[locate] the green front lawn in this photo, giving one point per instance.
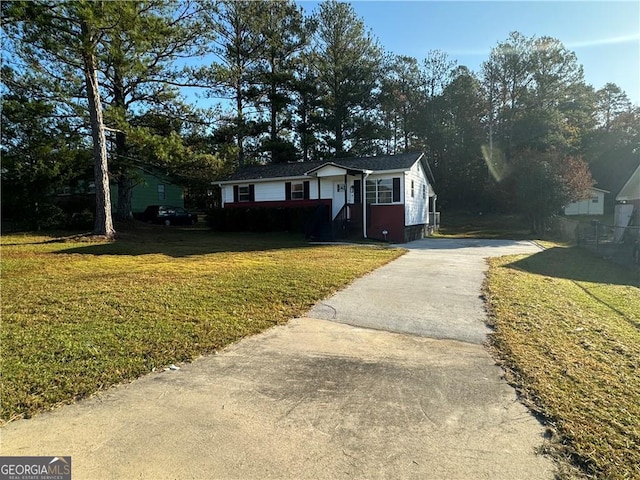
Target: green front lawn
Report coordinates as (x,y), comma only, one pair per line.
(79,316)
(483,225)
(567,324)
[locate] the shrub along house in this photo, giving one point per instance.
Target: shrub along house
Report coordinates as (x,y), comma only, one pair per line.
(385,197)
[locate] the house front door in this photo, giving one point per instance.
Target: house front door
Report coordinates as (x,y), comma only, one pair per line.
(338,198)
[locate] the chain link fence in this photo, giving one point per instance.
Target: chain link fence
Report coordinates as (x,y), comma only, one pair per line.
(617,244)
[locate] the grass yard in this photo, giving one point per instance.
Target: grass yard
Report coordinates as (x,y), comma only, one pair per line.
(79,316)
(567,325)
(488,225)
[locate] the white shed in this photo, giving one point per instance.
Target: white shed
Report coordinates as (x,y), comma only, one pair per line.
(594,205)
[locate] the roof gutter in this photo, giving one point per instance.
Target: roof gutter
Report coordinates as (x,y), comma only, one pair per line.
(258,180)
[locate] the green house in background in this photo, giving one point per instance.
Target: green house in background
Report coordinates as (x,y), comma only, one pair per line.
(153,188)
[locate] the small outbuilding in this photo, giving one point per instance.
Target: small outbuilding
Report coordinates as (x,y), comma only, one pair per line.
(594,205)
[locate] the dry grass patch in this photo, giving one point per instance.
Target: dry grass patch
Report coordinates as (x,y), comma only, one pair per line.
(568,325)
(79,316)
(478,225)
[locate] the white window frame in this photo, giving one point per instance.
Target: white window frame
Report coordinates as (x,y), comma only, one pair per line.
(297,191)
(162,191)
(378,194)
(244,193)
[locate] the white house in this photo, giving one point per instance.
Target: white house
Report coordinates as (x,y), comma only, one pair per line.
(630,192)
(594,205)
(384,197)
(627,209)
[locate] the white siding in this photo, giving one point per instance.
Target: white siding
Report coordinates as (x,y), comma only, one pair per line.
(631,190)
(227,194)
(330,171)
(589,206)
(326,188)
(416,207)
(269,191)
(273,191)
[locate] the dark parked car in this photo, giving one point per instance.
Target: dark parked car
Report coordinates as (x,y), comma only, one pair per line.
(168,215)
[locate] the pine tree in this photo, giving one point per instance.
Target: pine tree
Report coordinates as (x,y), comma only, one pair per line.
(347,63)
(62,40)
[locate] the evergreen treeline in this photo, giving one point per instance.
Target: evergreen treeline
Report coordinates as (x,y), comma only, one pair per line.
(99,87)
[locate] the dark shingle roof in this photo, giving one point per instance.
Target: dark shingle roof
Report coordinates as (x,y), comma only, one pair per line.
(273,170)
(298,169)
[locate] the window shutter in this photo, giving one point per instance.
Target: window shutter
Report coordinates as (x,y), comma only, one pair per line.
(252,193)
(357,191)
(305,186)
(236,193)
(396,189)
(287,191)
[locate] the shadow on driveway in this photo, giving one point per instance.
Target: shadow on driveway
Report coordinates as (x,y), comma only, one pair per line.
(434,243)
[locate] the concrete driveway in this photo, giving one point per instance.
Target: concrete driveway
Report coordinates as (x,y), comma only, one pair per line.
(413,395)
(433,291)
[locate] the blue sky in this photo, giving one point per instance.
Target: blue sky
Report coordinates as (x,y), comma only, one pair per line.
(605,36)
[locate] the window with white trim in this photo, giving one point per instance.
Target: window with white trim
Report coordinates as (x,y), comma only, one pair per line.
(244,193)
(297,191)
(382,190)
(162,192)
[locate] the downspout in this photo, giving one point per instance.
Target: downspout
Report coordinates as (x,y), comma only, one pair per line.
(435,210)
(346,194)
(222,193)
(363,193)
(428,200)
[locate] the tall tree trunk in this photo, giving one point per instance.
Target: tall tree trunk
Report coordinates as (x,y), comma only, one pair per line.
(125,184)
(304,127)
(125,197)
(339,133)
(240,125)
(304,122)
(274,111)
(103,222)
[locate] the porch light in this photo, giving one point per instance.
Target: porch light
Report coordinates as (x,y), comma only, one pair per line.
(385,233)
